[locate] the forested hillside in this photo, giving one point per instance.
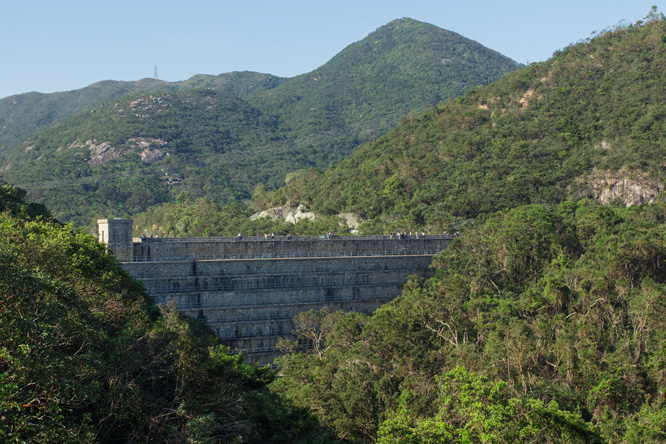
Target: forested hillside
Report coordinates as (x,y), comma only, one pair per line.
(541,325)
(221,140)
(587,123)
(362,91)
(141,149)
(24,114)
(86,358)
(545,319)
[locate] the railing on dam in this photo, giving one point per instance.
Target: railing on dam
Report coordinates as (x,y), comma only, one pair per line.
(270,238)
(220,248)
(291,255)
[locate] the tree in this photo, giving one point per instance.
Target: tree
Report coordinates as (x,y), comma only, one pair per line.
(472,409)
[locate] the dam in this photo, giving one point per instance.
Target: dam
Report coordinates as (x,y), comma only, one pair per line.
(248,289)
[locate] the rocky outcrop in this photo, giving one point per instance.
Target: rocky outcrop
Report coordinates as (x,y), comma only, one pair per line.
(149,150)
(287,213)
(293,215)
(101,153)
(608,187)
(149,155)
(352,220)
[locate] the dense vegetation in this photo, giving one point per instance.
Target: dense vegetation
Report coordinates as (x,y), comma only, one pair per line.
(545,321)
(587,123)
(363,90)
(205,218)
(85,357)
(22,115)
(222,139)
(188,134)
(540,326)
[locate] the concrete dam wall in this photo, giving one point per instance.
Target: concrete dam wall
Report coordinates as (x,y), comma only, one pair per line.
(248,290)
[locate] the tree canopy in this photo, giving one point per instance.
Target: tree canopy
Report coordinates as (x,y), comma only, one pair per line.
(86,357)
(586,123)
(540,324)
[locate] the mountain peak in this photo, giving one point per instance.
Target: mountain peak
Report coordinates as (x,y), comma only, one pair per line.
(314,119)
(406,22)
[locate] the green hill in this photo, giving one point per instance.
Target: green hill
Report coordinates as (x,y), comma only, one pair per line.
(136,151)
(541,325)
(544,321)
(86,358)
(22,115)
(587,123)
(361,92)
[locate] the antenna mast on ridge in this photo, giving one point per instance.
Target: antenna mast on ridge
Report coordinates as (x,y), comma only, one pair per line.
(155,73)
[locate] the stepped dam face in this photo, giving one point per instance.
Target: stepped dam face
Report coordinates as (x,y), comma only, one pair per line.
(247,290)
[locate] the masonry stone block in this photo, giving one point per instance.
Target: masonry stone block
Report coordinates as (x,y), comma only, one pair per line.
(248,291)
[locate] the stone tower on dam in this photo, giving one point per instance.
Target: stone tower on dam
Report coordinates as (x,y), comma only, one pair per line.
(248,290)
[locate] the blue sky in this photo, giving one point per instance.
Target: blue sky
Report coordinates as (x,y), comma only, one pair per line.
(53,46)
